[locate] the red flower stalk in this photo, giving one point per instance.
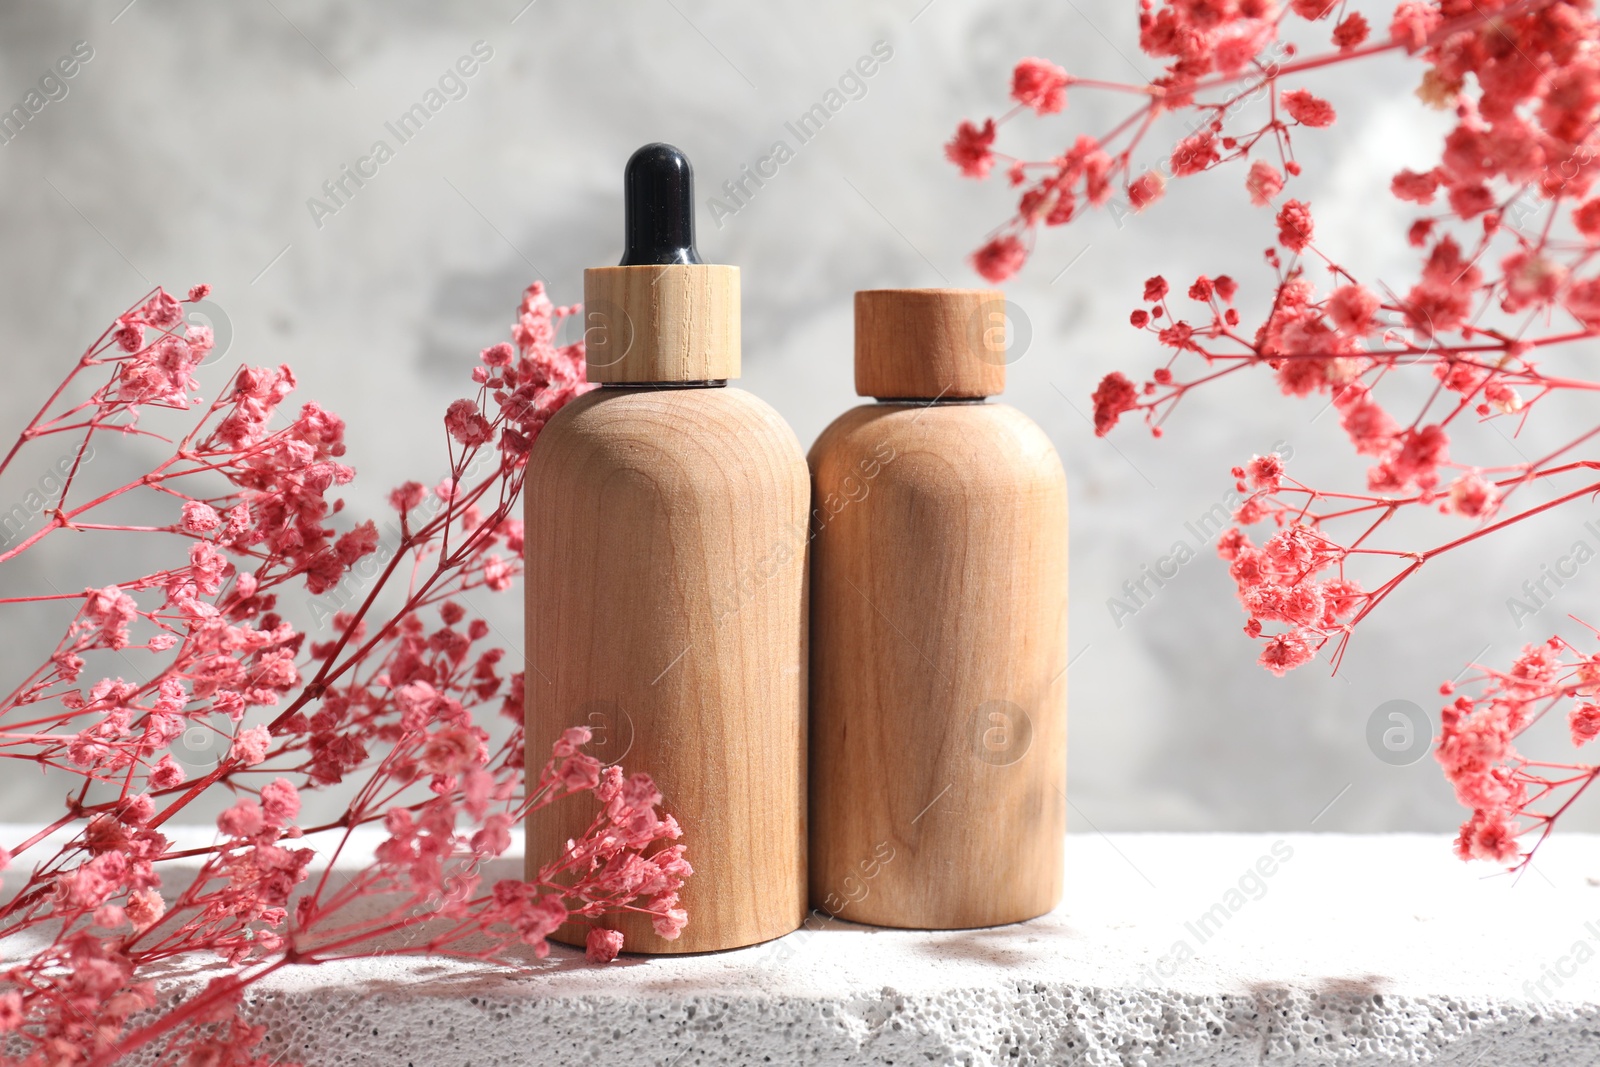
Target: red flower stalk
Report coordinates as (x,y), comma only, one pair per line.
(392,703)
(1506,286)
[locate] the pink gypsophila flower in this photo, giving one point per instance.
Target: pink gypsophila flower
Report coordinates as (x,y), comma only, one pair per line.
(1308,110)
(1235,45)
(1472,497)
(1264,183)
(1531,281)
(1195,154)
(166,774)
(1146,189)
(1041,85)
(1000,258)
(670,921)
(1351,308)
(280,802)
(1265,471)
(467,424)
(408,496)
(602,945)
(243,820)
(972,149)
(1115,396)
(1286,651)
(1417,188)
(1351,31)
(112,610)
(1414,21)
(1294,225)
(199,517)
(1584,722)
(250,747)
(1587,220)
(145,908)
(450,750)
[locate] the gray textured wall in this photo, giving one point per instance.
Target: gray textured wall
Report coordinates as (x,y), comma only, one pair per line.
(187,148)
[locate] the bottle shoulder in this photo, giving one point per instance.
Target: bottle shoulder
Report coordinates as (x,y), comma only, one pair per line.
(635,428)
(966,442)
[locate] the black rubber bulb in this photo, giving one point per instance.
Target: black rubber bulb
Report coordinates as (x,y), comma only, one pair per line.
(658,198)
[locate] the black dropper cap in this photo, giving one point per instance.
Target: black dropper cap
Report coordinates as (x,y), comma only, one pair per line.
(658,198)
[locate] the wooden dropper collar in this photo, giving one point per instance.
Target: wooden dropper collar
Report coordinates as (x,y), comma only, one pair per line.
(661,316)
(930,344)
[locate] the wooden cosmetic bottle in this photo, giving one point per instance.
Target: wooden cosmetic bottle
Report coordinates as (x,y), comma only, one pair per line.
(666,580)
(938,630)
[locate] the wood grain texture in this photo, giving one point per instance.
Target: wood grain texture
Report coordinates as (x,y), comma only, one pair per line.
(938,667)
(666,585)
(675,322)
(927,343)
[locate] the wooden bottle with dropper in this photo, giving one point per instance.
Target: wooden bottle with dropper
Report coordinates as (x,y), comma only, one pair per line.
(666,580)
(938,630)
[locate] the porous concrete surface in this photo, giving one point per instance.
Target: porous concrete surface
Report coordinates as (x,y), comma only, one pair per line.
(1320,949)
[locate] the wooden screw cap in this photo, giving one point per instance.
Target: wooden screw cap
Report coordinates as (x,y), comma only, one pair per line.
(921,344)
(661,322)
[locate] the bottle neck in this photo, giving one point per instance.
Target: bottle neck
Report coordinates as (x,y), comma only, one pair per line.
(925,401)
(715,383)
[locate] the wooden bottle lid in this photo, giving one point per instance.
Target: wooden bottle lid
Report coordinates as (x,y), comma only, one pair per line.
(922,344)
(661,322)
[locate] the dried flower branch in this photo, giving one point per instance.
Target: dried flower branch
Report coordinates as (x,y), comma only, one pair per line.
(1506,286)
(395,703)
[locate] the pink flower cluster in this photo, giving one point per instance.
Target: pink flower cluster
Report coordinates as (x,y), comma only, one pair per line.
(1505,233)
(1278,583)
(394,703)
(1513,798)
(531,382)
(160,371)
(611,863)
